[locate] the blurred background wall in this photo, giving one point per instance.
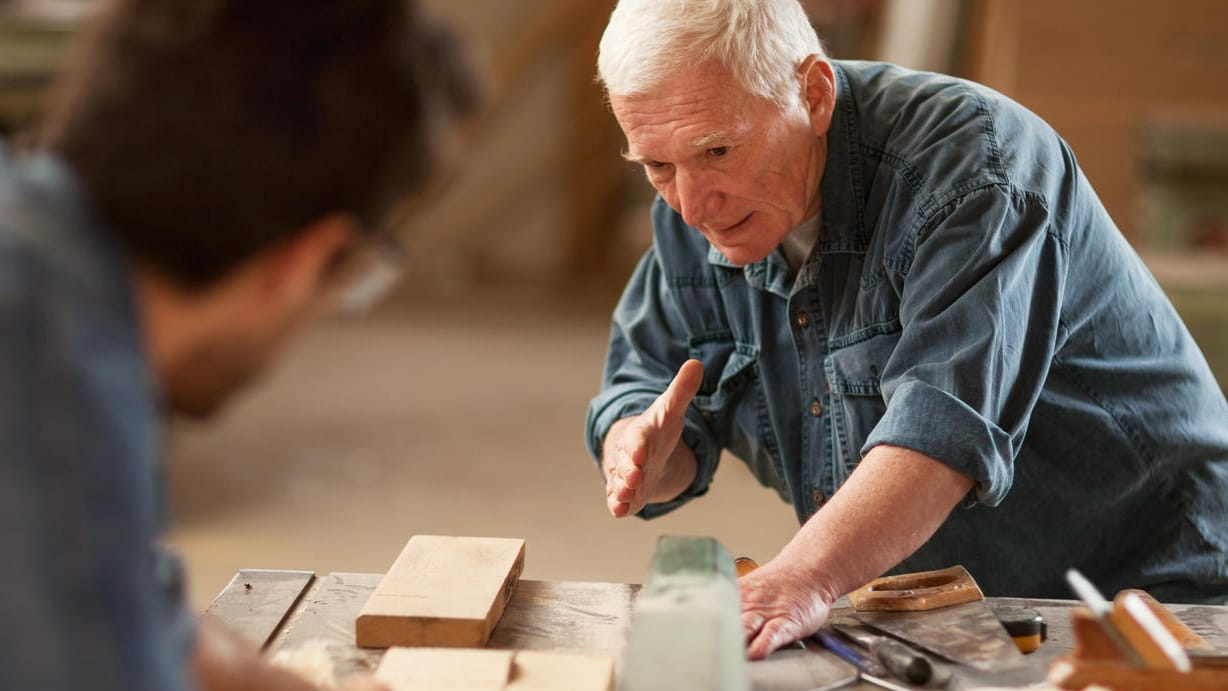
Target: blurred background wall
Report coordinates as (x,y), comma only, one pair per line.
(458,408)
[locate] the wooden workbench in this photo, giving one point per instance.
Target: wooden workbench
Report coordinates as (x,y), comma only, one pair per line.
(284,610)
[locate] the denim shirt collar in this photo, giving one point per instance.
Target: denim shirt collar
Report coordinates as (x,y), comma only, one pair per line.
(841,228)
(842,187)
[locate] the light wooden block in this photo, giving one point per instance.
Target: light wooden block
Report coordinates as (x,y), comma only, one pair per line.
(417,669)
(545,671)
(686,630)
(435,669)
(442,592)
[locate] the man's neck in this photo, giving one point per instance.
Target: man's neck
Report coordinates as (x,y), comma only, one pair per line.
(800,241)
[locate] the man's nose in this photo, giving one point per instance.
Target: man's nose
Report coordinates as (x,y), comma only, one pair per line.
(698,199)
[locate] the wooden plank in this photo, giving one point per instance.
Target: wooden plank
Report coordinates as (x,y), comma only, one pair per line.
(431,669)
(686,632)
(544,671)
(423,669)
(567,616)
(257,601)
(443,592)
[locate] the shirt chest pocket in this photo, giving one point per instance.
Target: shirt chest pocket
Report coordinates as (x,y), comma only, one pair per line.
(731,401)
(729,369)
(854,374)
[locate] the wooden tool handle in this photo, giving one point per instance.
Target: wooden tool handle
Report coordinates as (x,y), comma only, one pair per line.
(917,591)
(1145,633)
(1189,639)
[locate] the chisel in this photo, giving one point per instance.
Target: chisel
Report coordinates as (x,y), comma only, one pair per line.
(903,661)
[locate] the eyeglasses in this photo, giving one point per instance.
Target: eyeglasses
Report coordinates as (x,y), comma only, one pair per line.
(370,273)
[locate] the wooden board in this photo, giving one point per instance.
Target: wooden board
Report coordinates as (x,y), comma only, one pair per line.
(535,670)
(256,601)
(420,669)
(430,669)
(443,592)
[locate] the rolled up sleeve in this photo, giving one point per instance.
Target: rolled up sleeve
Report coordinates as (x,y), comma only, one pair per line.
(647,346)
(980,313)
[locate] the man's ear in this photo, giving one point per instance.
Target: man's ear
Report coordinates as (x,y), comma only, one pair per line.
(819,91)
(298,269)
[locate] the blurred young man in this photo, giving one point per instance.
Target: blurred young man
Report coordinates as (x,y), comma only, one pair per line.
(912,318)
(213,175)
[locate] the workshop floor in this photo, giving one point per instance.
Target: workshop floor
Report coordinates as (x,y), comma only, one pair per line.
(460,417)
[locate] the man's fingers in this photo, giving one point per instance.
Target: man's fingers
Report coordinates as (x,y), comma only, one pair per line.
(618,509)
(681,390)
(771,636)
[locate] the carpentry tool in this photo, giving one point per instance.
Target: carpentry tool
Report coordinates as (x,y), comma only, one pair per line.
(1134,644)
(868,669)
(942,612)
(1189,639)
(1025,625)
(744,565)
(923,590)
(1099,608)
(899,658)
(686,631)
(1158,648)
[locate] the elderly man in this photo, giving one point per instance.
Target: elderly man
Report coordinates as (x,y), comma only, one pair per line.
(896,298)
(212,177)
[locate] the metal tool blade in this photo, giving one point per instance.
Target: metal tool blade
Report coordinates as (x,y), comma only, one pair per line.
(967,634)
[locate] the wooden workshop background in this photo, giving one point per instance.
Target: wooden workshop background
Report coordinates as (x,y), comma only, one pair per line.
(458,407)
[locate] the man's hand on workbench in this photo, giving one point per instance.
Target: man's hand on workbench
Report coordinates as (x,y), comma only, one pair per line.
(642,458)
(780,604)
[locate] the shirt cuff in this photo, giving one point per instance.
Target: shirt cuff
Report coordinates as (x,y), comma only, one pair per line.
(931,421)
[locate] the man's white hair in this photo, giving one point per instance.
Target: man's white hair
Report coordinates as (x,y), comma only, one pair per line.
(760,42)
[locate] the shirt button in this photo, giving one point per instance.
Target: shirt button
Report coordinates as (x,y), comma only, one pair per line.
(801,320)
(816,408)
(817,498)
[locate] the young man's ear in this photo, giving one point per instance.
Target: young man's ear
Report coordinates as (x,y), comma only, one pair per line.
(299,269)
(819,92)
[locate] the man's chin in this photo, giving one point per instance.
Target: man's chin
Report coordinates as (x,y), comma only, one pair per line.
(743,256)
(197,406)
(202,397)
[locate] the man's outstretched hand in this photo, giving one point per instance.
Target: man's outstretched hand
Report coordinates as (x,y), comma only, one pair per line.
(642,458)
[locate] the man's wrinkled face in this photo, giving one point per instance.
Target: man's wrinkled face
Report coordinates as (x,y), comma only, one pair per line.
(733,165)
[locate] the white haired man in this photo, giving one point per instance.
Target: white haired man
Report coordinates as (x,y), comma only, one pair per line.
(899,286)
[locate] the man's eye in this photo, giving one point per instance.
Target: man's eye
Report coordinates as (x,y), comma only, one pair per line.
(656,164)
(718,151)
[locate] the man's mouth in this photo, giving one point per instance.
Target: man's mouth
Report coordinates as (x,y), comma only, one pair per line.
(732,227)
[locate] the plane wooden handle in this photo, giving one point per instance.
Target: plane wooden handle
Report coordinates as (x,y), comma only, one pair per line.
(1189,639)
(917,591)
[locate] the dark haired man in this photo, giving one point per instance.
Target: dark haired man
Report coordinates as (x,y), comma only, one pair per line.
(212,175)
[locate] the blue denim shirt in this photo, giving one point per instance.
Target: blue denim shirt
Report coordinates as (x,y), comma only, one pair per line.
(87,599)
(968,298)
